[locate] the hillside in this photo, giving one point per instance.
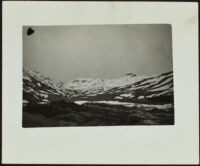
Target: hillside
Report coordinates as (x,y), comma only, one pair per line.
(37,88)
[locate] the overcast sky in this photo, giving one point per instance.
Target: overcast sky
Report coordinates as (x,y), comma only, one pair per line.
(98,51)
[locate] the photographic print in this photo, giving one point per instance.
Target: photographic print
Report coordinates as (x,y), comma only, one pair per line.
(100,83)
(97,75)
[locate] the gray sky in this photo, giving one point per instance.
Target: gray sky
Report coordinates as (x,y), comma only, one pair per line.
(98,51)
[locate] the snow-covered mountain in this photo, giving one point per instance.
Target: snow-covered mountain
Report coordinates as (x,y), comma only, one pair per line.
(128,87)
(155,88)
(89,86)
(38,88)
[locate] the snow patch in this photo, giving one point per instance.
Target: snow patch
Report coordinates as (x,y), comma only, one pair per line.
(44,95)
(80,102)
(42,102)
(25,101)
(127,104)
(161,88)
(118,97)
(141,97)
(127,95)
(38,84)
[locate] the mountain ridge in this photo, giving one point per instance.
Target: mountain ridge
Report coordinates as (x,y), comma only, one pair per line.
(38,88)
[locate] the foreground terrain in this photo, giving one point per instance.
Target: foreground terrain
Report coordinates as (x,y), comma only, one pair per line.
(62,113)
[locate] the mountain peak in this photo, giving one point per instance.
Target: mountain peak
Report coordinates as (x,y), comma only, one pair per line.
(131,74)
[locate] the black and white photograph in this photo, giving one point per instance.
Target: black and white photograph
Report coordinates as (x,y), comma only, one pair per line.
(100,83)
(97,75)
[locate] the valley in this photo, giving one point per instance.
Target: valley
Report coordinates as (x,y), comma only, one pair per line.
(128,100)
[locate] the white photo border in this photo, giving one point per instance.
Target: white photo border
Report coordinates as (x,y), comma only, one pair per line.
(174,144)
